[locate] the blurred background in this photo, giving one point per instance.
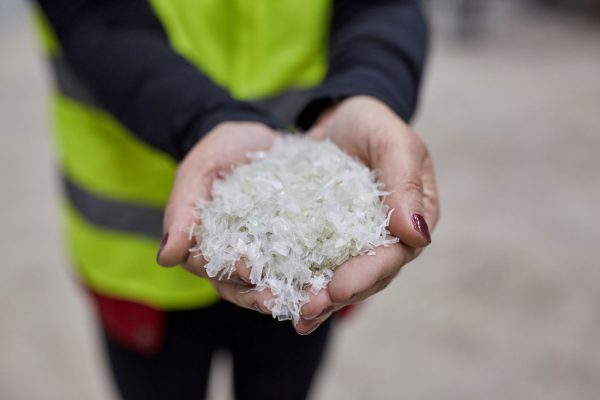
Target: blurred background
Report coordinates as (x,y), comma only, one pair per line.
(504,305)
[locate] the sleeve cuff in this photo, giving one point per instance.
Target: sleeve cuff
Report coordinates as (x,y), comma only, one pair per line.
(204,123)
(358,81)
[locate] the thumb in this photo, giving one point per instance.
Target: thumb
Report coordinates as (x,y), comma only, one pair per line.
(190,186)
(400,165)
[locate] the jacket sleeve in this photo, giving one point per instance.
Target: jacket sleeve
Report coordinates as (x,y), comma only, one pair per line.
(121,51)
(377,48)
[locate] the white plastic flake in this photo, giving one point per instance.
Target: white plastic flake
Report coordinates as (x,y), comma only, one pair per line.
(294,214)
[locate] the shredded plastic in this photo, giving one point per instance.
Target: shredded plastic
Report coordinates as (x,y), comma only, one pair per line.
(294,214)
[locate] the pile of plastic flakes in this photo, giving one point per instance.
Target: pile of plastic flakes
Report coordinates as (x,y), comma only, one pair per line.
(294,214)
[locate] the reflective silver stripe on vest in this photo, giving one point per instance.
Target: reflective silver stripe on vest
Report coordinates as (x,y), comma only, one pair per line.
(115,215)
(284,106)
(130,217)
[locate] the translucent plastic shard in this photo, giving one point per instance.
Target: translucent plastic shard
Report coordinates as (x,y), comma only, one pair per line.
(294,214)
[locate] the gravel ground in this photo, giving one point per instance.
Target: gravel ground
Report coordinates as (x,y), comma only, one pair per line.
(504,305)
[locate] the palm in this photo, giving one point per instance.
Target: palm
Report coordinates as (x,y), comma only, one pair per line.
(368,130)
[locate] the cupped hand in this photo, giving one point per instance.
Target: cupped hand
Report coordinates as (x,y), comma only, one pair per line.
(367,129)
(226,146)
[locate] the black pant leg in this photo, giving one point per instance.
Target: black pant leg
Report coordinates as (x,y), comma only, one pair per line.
(178,371)
(271,361)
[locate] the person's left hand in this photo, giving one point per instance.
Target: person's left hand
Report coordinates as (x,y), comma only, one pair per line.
(367,129)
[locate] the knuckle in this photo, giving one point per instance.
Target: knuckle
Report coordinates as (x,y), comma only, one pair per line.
(413,186)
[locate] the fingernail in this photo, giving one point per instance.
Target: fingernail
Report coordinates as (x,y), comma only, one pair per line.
(325,311)
(420,226)
(163,243)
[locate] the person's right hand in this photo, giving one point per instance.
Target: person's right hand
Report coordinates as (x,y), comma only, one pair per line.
(226,146)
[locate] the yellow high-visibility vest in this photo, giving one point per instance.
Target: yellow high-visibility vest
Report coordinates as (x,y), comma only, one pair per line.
(117,186)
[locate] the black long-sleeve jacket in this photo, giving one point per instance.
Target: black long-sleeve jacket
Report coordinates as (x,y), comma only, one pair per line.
(121,51)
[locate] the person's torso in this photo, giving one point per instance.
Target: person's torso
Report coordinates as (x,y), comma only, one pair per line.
(117,186)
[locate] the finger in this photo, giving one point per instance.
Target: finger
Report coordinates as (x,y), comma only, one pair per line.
(322,302)
(243,297)
(318,309)
(190,187)
(399,161)
(430,199)
(360,274)
(195,264)
(242,272)
(309,327)
(317,305)
(312,313)
(194,182)
(376,288)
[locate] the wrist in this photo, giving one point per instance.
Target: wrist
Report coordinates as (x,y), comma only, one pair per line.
(234,113)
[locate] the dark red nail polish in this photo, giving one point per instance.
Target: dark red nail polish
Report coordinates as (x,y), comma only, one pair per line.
(163,242)
(420,226)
